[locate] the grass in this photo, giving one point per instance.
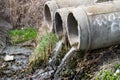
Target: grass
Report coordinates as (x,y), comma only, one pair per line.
(45,44)
(42,52)
(117,66)
(106,75)
(18,36)
(110,74)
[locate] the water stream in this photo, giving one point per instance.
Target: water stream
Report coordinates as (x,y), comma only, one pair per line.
(66,58)
(56,50)
(44,75)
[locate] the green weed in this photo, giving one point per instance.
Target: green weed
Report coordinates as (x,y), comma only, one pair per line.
(117,66)
(42,52)
(18,36)
(106,75)
(109,74)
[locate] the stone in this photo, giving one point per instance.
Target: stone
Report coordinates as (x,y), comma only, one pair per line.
(9,58)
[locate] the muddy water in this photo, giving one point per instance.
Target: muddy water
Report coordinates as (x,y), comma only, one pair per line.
(65,60)
(14,70)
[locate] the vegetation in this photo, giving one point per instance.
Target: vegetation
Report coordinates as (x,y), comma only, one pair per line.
(22,35)
(45,46)
(110,74)
(117,66)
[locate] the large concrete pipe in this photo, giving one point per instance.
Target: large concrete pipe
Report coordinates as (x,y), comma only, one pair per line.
(51,6)
(60,19)
(94,26)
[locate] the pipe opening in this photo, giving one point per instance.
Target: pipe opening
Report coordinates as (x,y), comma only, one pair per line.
(47,13)
(72,25)
(58,25)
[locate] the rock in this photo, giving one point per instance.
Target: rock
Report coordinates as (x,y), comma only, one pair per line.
(43,76)
(116,72)
(9,58)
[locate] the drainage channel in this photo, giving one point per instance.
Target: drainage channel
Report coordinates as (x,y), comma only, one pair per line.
(13,61)
(52,70)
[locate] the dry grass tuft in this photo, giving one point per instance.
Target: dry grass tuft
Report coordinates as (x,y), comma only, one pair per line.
(22,13)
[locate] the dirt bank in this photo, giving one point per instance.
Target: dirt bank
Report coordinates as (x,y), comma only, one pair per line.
(22,13)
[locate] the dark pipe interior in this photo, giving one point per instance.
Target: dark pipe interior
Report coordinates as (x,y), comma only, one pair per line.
(47,14)
(72,25)
(58,24)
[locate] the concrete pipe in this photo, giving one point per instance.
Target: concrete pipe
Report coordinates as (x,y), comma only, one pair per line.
(60,22)
(95,26)
(51,6)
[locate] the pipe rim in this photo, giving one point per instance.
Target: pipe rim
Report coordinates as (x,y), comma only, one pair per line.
(58,25)
(47,13)
(52,7)
(73,30)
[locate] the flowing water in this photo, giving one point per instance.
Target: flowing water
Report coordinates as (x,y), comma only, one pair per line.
(66,58)
(50,69)
(51,73)
(55,54)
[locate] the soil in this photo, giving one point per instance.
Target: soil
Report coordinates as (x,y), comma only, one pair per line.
(22,13)
(83,66)
(95,61)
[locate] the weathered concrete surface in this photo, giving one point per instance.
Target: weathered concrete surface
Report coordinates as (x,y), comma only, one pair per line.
(60,21)
(95,26)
